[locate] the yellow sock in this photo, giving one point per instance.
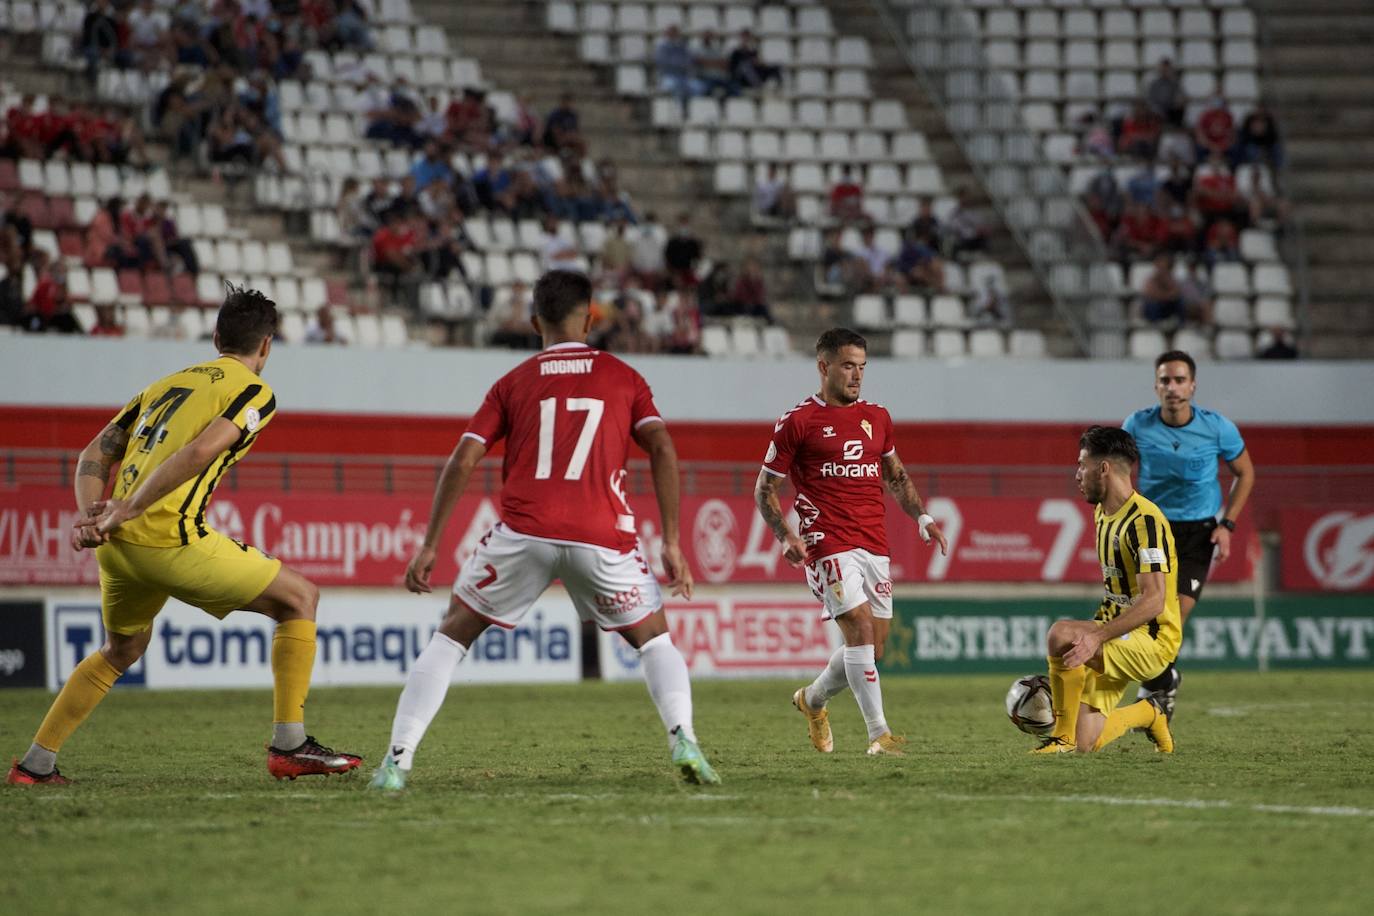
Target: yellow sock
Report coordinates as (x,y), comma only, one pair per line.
(293,655)
(1066,690)
(1122,720)
(84,690)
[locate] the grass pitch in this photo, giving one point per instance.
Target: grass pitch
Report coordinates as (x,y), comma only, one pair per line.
(561,800)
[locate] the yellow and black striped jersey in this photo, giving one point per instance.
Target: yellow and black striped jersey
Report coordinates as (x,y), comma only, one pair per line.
(1135,539)
(168,415)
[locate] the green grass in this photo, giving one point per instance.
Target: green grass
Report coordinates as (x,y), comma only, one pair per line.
(543,800)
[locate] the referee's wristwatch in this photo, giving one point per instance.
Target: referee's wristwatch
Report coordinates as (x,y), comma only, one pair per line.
(1227,523)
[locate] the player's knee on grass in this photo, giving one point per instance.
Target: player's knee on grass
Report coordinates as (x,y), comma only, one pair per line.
(1089,729)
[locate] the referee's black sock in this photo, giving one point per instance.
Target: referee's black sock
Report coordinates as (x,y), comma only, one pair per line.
(1162,681)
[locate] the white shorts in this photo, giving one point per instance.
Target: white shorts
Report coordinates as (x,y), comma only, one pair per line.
(508,572)
(843,581)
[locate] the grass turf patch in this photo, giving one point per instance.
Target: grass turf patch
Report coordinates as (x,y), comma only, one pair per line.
(562,799)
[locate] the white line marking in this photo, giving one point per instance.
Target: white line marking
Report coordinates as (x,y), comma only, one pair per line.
(1194,803)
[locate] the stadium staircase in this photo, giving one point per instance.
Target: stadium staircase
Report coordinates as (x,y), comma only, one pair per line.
(1317,75)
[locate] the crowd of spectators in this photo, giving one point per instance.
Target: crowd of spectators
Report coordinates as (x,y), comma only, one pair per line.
(1197,187)
(69,130)
(686,71)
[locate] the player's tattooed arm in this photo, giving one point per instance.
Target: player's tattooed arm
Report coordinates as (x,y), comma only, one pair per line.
(770,506)
(92,471)
(902,487)
(108,450)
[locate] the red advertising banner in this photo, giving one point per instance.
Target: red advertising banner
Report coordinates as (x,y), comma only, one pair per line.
(1328,549)
(367,540)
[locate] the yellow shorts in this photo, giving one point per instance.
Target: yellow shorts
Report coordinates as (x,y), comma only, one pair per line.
(1133,656)
(215,573)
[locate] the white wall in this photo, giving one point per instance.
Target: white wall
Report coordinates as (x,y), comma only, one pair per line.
(89,372)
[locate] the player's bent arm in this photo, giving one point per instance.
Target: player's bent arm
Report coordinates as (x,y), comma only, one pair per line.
(188,461)
(1244,470)
(452,482)
(93,466)
(654,439)
(902,488)
(1147,607)
(770,505)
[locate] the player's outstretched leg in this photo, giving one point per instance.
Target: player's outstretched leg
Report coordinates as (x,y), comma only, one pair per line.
(665,674)
(811,701)
(83,691)
(291,600)
(861,673)
(424,693)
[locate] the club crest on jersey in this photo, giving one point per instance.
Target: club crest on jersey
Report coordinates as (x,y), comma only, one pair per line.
(867,427)
(827,432)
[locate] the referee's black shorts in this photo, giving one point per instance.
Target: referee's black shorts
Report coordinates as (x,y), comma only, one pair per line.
(1193,544)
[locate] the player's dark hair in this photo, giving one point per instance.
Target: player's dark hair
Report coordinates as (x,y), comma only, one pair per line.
(829,343)
(1109,442)
(1177,356)
(246,318)
(558,293)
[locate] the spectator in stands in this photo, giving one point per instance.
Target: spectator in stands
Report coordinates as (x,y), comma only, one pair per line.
(612,202)
(685,336)
(1142,186)
(873,258)
(557,252)
(106,323)
(713,294)
(1164,93)
(847,197)
(1267,207)
(447,240)
(1180,231)
(1280,345)
(466,118)
(1095,137)
(99,37)
(626,333)
(613,262)
(1222,243)
(1176,145)
(682,253)
(431,167)
(139,223)
(525,129)
(1215,132)
(260,97)
(1198,295)
(1140,234)
(171,239)
(49,306)
(350,27)
(1140,132)
(773,196)
(377,202)
(107,243)
(674,65)
(356,221)
(925,222)
(1215,195)
(918,264)
(509,319)
(646,253)
(1161,298)
(394,248)
(966,230)
(237,137)
(839,268)
(17,228)
(433,123)
(493,184)
(748,68)
(1177,187)
(561,128)
(750,292)
(1258,140)
(712,66)
(148,39)
(322,329)
(992,307)
(391,115)
(12,305)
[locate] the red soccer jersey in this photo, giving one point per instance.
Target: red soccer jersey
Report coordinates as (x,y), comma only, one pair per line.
(567,415)
(833,456)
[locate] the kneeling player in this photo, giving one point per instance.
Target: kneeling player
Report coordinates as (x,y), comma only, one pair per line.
(1135,633)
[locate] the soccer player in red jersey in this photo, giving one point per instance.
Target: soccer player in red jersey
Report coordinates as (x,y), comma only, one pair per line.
(567,415)
(838,450)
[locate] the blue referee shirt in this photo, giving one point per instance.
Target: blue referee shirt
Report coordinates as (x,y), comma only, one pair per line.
(1178,464)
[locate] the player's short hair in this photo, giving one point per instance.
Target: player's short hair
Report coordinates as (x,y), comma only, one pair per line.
(246,318)
(1110,442)
(829,343)
(558,293)
(1177,356)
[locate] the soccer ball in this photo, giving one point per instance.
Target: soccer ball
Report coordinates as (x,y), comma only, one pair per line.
(1029,705)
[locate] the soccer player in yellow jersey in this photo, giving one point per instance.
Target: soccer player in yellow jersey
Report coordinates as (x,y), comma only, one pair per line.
(173,443)
(1136,631)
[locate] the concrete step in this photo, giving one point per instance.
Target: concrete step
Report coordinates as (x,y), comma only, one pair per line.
(1334,217)
(1342,282)
(1313,58)
(1331,28)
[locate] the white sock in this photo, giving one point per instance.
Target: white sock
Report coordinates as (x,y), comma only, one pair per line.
(829,682)
(665,673)
(422,696)
(862,673)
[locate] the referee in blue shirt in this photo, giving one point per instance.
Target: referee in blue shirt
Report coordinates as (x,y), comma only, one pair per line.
(1179,446)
